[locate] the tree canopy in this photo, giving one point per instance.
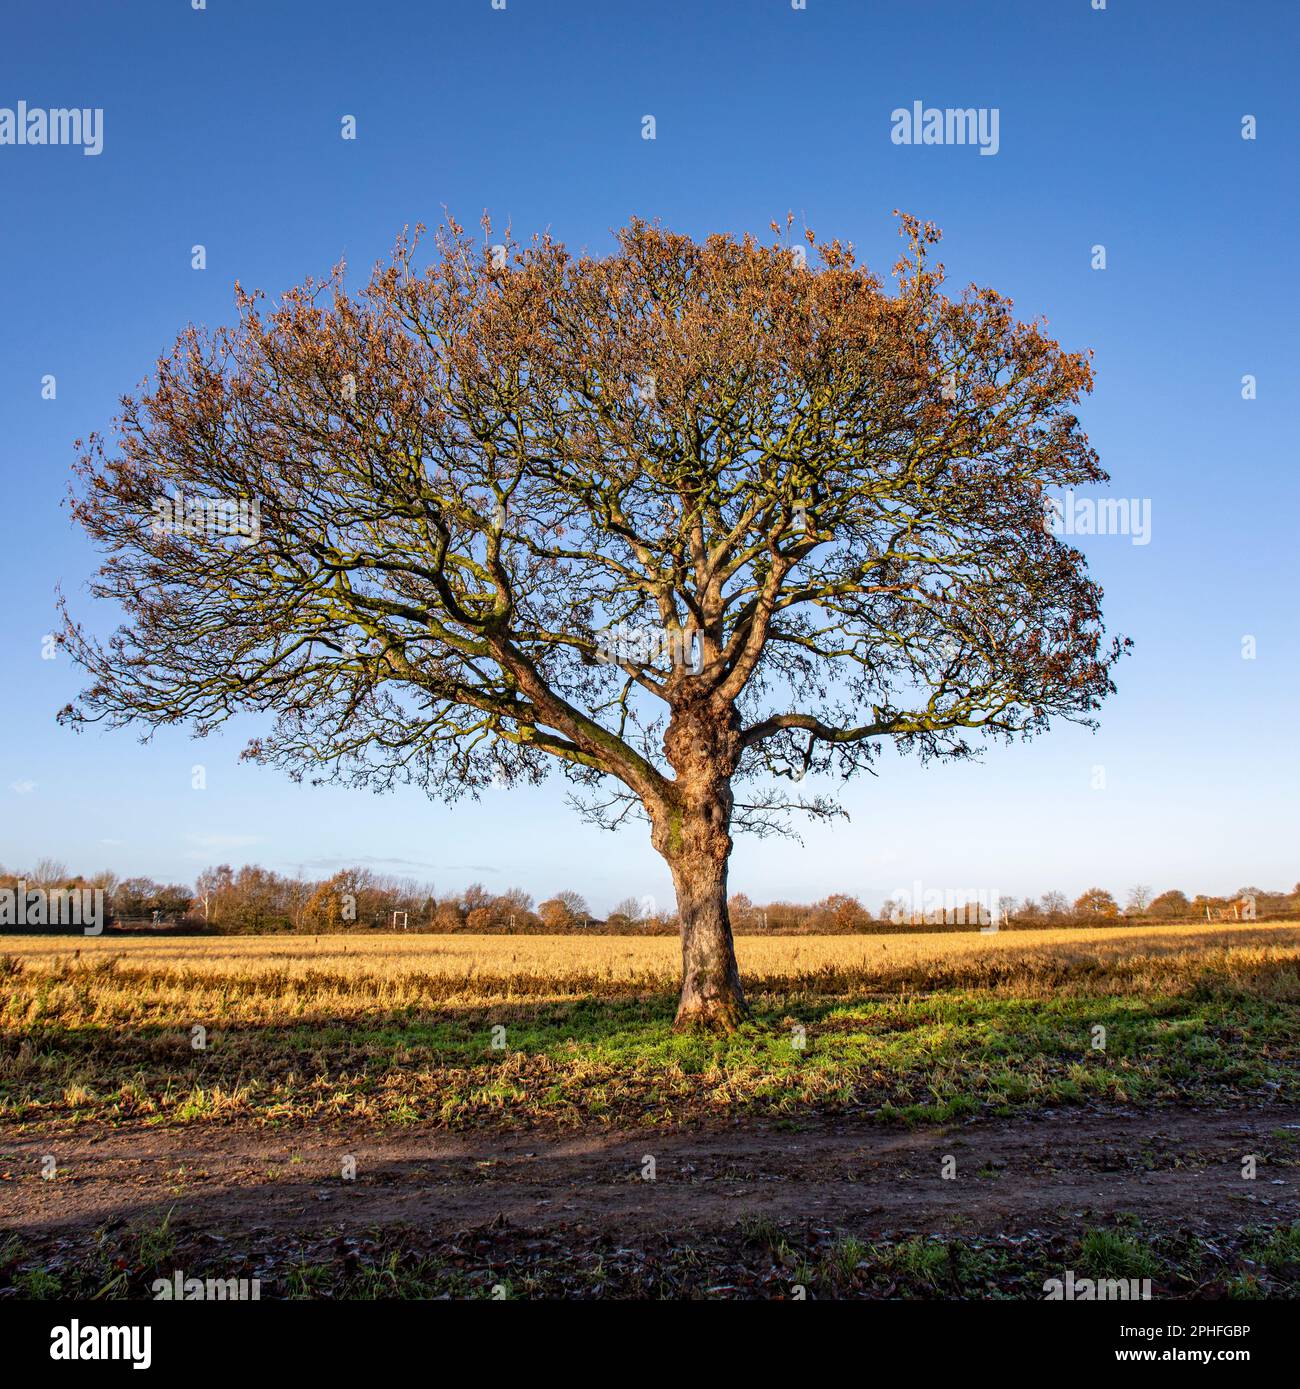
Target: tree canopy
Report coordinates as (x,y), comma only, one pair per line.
(688,514)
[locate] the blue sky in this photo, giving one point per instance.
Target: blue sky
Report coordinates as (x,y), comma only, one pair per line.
(1119,127)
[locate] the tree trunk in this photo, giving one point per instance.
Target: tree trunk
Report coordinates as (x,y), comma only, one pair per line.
(696,844)
(712,997)
(692,830)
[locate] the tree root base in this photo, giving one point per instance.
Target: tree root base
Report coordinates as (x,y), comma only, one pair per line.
(717,1015)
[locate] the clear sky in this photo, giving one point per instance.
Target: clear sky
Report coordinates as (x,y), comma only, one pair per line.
(1120,127)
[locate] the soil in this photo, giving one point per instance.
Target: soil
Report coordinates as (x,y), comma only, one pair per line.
(1175,1169)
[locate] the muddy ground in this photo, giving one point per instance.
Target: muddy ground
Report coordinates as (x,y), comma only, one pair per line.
(744,1204)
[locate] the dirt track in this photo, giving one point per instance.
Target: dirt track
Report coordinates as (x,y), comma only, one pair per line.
(1174,1168)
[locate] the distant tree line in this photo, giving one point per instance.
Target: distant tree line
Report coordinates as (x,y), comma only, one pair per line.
(254,900)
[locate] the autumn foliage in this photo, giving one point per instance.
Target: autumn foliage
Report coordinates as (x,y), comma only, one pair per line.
(825,494)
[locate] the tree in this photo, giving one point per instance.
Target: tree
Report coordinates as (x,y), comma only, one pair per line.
(1055,904)
(1171,905)
(1206,908)
(556,914)
(842,912)
(741,912)
(627,912)
(447,915)
(476,898)
(691,516)
(331,906)
(142,897)
(106,881)
(48,873)
(1096,901)
(564,910)
(258,900)
(1139,899)
(209,887)
(575,904)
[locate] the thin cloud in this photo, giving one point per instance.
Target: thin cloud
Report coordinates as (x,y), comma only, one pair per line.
(368,861)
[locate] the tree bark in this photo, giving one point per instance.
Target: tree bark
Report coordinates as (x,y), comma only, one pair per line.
(692,830)
(712,997)
(694,839)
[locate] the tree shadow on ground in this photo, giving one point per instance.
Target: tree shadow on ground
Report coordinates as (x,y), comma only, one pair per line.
(572,1063)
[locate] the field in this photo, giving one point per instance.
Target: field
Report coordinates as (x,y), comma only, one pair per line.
(499,1097)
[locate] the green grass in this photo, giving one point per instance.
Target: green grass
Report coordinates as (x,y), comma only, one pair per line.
(1280,1254)
(1114,1254)
(915,1060)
